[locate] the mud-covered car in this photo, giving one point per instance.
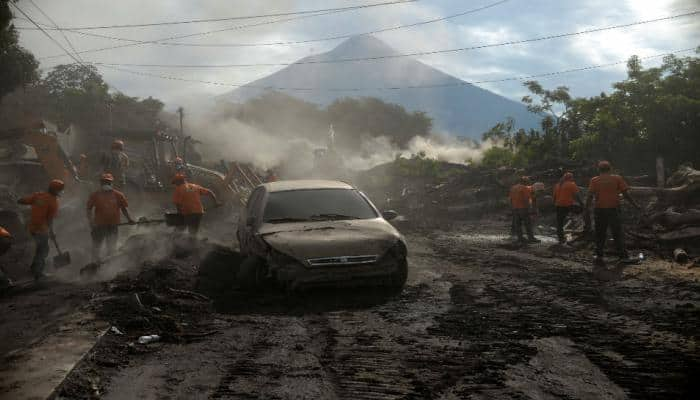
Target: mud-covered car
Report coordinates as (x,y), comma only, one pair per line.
(309,233)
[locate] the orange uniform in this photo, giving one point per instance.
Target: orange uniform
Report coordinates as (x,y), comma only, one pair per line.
(607,189)
(565,193)
(187,198)
(107,205)
(44,210)
(520,196)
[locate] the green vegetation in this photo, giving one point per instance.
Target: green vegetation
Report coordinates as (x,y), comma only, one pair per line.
(354,120)
(18,66)
(654,112)
(77,94)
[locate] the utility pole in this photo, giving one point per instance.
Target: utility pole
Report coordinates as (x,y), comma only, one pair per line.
(109,108)
(181,113)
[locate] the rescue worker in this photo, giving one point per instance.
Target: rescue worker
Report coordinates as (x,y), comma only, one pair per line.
(44,210)
(108,204)
(566,193)
(117,164)
(606,188)
(187,199)
(522,202)
(5,244)
(179,167)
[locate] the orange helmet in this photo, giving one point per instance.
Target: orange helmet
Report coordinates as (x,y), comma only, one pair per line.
(56,185)
(118,145)
(107,177)
(179,178)
(4,233)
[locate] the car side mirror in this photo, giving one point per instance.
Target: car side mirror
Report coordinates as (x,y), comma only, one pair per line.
(250,221)
(389,214)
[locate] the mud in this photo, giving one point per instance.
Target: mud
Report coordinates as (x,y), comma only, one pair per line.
(478,318)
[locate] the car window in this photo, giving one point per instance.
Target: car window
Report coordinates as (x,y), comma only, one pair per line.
(317,204)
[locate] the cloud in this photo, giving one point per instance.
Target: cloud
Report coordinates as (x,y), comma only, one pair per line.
(515,19)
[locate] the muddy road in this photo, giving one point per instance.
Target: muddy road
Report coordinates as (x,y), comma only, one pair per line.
(476,320)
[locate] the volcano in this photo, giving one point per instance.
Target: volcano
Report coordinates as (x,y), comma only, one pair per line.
(456,107)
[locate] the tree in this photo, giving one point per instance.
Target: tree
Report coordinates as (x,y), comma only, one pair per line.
(18,66)
(654,112)
(78,93)
(357,118)
(353,119)
(554,105)
(502,133)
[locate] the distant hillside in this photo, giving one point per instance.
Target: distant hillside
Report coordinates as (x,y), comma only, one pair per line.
(465,110)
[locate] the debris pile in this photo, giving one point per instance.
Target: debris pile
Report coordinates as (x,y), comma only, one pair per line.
(428,192)
(672,224)
(147,307)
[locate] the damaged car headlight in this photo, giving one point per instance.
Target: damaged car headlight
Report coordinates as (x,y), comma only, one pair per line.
(278,259)
(397,251)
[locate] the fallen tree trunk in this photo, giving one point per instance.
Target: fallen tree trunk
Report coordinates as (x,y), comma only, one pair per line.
(688,233)
(674,220)
(672,196)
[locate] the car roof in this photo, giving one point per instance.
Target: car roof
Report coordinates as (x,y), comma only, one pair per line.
(305,184)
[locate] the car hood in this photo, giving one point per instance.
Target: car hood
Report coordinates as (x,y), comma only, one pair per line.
(307,240)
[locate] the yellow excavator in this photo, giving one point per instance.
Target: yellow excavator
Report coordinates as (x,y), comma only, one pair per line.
(30,157)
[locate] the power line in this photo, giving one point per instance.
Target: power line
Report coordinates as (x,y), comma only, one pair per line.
(28,18)
(232,28)
(56,25)
(287,43)
(278,14)
(414,54)
(391,88)
(46,33)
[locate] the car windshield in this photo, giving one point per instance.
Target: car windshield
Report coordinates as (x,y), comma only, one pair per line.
(317,204)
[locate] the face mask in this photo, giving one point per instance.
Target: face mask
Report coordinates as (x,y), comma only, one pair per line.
(107,188)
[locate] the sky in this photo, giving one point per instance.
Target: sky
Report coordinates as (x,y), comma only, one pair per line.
(511,20)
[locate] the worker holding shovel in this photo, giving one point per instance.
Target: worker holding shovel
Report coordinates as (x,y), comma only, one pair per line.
(187,199)
(44,210)
(108,205)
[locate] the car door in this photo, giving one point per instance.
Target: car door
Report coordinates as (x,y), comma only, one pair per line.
(246,230)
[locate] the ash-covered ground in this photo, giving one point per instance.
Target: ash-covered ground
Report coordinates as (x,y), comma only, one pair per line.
(478,319)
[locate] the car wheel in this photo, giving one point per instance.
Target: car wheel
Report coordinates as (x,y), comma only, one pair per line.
(398,278)
(252,272)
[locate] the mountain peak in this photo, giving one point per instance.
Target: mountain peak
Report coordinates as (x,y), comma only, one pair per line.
(363,46)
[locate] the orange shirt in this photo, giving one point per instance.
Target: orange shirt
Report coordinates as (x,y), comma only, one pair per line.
(44,210)
(187,198)
(107,205)
(607,189)
(520,196)
(565,193)
(4,233)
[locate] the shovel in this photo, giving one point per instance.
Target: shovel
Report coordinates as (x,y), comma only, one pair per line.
(143,221)
(63,258)
(92,267)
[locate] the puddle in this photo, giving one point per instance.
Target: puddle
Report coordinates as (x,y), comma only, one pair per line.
(491,238)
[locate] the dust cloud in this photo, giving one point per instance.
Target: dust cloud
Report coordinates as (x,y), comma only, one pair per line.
(226,138)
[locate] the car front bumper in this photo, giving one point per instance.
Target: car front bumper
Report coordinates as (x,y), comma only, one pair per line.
(296,276)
